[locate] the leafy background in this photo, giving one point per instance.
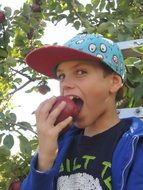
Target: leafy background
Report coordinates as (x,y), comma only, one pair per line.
(21,31)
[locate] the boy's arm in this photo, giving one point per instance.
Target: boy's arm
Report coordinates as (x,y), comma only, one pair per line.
(42,172)
(48,132)
(38,180)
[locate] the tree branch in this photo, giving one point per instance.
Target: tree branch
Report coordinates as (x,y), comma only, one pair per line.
(17,89)
(19,72)
(24,75)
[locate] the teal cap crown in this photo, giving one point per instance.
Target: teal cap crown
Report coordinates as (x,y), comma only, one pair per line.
(99,46)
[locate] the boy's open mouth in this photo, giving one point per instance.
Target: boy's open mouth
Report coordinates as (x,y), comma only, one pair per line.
(78,101)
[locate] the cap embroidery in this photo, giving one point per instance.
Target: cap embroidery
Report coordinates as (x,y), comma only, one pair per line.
(115,59)
(103,48)
(100,56)
(80,41)
(83,35)
(92,48)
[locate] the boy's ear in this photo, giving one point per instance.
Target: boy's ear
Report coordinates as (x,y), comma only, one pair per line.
(116,83)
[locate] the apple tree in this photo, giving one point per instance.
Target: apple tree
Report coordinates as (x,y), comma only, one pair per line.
(21,32)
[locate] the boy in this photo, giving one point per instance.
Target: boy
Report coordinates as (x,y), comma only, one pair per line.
(98,151)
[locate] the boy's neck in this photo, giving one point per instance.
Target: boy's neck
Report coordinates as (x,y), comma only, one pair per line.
(101,125)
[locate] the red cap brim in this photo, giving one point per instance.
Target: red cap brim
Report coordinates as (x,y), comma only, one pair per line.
(45,59)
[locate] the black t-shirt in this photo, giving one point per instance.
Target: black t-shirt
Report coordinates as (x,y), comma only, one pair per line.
(87,164)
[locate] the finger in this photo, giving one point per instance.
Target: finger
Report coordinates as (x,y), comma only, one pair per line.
(46,104)
(62,125)
(45,107)
(55,113)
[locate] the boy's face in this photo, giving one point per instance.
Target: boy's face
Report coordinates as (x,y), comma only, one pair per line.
(87,81)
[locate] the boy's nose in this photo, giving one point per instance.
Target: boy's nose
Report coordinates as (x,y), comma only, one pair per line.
(66,86)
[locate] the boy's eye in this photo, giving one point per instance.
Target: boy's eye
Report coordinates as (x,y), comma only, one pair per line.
(81,72)
(60,77)
(78,73)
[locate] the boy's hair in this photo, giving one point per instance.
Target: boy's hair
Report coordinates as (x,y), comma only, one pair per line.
(107,71)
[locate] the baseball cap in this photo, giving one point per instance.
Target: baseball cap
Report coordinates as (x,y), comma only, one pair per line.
(90,47)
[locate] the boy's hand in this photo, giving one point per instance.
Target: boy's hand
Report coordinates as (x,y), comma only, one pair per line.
(48,132)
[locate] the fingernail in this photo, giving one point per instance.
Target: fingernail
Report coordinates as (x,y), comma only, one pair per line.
(54,97)
(70,117)
(63,102)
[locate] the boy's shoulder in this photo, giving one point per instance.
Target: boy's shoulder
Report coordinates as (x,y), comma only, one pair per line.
(136,126)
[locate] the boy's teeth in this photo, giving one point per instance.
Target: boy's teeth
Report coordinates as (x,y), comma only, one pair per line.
(72,97)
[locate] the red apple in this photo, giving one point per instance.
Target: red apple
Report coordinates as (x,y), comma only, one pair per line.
(38,2)
(30,33)
(71,108)
(43,89)
(2,17)
(36,7)
(15,185)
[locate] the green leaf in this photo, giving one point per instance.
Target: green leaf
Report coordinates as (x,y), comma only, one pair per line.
(138,92)
(112,29)
(8,141)
(61,17)
(138,20)
(11,61)
(3,53)
(102,27)
(19,40)
(26,9)
(1,136)
(95,3)
(11,117)
(4,154)
(25,146)
(138,49)
(34,144)
(8,11)
(2,116)
(70,18)
(102,5)
(80,7)
(24,125)
(131,61)
(110,5)
(89,8)
(16,12)
(77,25)
(18,80)
(34,88)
